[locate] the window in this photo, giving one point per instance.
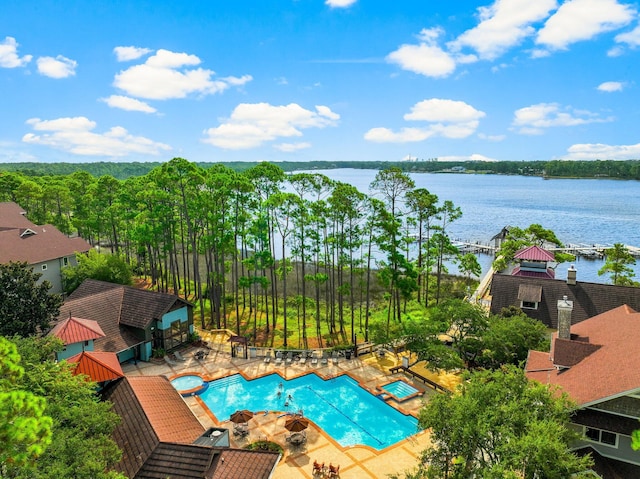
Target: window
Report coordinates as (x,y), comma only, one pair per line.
(529,305)
(44,267)
(604,437)
(65,261)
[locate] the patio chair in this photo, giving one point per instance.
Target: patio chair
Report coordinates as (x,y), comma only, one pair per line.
(334,471)
(303,358)
(318,468)
(179,356)
(267,358)
(325,358)
(169,361)
(334,357)
(314,359)
(240,430)
(289,357)
(279,357)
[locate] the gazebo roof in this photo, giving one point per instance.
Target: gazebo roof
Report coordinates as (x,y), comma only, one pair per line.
(77,330)
(534,253)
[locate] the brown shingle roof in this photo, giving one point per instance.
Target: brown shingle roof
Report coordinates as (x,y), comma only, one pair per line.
(47,243)
(100,367)
(608,371)
(589,299)
(116,307)
(13,216)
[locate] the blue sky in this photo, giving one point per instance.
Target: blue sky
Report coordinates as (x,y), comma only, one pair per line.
(302,80)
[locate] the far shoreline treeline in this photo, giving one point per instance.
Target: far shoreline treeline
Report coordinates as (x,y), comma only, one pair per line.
(616,169)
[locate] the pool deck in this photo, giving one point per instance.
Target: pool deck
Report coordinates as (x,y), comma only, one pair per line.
(297,462)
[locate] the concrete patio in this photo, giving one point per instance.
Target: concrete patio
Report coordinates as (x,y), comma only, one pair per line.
(297,461)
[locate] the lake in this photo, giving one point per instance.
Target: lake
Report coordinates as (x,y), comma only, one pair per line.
(588,211)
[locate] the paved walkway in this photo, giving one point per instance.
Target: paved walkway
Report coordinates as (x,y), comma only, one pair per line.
(355,462)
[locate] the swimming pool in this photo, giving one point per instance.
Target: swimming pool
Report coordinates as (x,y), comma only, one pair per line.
(189,384)
(400,390)
(344,410)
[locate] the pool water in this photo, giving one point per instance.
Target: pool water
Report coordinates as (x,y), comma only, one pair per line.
(184,383)
(399,389)
(344,410)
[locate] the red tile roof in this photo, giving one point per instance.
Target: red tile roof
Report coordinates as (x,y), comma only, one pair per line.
(76,330)
(534,253)
(607,371)
(157,396)
(100,367)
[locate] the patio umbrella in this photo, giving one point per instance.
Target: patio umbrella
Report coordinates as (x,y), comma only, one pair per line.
(296,424)
(241,416)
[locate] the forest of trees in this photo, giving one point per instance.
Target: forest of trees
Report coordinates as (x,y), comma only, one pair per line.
(260,251)
(628,169)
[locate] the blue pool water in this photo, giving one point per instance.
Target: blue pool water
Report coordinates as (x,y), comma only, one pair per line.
(184,383)
(399,389)
(345,411)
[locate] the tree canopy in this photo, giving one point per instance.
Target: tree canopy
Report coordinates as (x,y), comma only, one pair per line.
(499,425)
(25,429)
(112,268)
(518,238)
(617,264)
(81,425)
(26,307)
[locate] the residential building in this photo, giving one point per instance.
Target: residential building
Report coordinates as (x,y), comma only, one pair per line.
(536,296)
(160,437)
(44,248)
(135,322)
(596,363)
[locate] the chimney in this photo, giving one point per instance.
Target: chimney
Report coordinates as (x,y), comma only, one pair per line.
(565,307)
(571,275)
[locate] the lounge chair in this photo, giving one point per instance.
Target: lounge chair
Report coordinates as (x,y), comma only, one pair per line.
(325,358)
(334,357)
(179,356)
(279,357)
(314,359)
(303,357)
(289,357)
(267,358)
(169,361)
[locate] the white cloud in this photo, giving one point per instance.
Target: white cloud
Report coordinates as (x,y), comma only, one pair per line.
(484,136)
(405,135)
(125,54)
(166,75)
(340,3)
(472,157)
(447,118)
(252,124)
(503,25)
(292,147)
(578,20)
(9,54)
(58,67)
(437,109)
(532,120)
(426,58)
(599,151)
(127,103)
(75,135)
(631,38)
(611,86)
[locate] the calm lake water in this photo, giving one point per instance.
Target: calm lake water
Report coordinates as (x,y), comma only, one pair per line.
(578,210)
